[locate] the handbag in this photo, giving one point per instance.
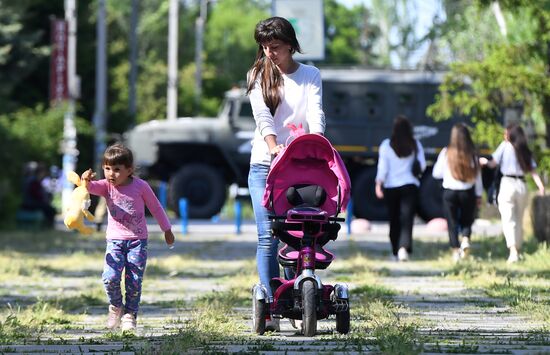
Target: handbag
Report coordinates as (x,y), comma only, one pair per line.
(416,167)
(492,192)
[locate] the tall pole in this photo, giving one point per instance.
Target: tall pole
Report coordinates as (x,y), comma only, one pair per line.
(172,101)
(70,152)
(100,113)
(199,39)
(132,105)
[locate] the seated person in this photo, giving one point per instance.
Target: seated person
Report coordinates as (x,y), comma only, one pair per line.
(35,197)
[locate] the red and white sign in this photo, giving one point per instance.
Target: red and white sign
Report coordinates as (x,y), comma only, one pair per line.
(58,65)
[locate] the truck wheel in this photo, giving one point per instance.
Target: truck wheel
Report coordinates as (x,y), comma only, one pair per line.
(430,199)
(203,187)
(365,203)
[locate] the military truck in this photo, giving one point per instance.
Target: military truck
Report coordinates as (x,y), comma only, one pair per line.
(201,157)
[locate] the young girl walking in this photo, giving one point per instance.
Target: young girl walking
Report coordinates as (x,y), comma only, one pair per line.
(458,166)
(126,196)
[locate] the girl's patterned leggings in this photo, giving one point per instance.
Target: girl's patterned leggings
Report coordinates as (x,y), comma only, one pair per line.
(131,256)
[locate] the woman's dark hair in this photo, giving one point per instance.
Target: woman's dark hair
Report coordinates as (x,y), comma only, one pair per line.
(461,154)
(402,140)
(517,137)
(273,28)
(118,154)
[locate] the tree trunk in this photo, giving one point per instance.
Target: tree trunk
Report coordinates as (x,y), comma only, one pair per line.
(540,217)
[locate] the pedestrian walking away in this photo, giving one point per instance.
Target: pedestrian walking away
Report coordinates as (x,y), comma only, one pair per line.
(458,166)
(398,185)
(283,93)
(126,196)
(516,160)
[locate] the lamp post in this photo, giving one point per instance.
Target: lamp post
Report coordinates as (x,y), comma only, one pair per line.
(70,152)
(172,95)
(100,114)
(199,39)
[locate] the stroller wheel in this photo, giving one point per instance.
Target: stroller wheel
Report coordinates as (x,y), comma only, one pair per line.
(259,311)
(342,322)
(309,308)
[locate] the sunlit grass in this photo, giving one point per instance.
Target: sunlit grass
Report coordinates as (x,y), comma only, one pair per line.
(208,317)
(17,323)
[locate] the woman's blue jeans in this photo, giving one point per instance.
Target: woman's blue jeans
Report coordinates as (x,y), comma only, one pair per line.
(266,253)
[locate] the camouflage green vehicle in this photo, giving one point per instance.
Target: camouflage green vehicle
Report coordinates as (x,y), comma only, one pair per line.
(201,157)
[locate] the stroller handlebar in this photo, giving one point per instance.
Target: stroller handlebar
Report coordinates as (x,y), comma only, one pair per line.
(283,217)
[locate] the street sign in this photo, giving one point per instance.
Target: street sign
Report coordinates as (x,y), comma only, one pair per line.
(307,18)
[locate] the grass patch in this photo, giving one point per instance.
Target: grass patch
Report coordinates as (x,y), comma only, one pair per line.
(31,322)
(208,323)
(392,333)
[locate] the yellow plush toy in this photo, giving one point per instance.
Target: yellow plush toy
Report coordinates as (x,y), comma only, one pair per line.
(78,209)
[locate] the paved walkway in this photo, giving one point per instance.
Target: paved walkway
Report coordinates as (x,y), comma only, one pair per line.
(466,321)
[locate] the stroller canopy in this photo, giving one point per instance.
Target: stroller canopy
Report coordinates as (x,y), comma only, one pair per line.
(309,159)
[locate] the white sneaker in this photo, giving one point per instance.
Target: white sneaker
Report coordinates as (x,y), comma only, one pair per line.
(402,254)
(113,320)
(273,325)
(296,323)
(465,246)
(128,322)
(457,255)
(514,256)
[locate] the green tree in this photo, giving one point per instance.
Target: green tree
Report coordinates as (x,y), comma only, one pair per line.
(396,35)
(22,50)
(349,35)
(229,39)
(511,70)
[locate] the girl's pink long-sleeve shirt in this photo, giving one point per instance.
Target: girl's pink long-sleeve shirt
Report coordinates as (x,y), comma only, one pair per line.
(126,206)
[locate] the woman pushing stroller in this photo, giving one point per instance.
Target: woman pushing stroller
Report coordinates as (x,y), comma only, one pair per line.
(282,92)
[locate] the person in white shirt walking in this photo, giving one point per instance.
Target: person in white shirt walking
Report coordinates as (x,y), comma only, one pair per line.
(458,166)
(515,159)
(396,183)
(283,93)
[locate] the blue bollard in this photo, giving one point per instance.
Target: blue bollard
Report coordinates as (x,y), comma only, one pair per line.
(238,216)
(183,215)
(349,216)
(163,187)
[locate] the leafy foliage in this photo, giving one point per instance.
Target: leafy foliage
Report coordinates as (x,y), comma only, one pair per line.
(496,73)
(29,134)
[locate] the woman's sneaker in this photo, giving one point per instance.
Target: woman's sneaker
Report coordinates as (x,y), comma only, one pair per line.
(514,256)
(402,254)
(465,246)
(457,255)
(128,322)
(272,325)
(113,320)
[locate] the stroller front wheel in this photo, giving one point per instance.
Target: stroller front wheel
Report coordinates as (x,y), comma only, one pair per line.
(309,308)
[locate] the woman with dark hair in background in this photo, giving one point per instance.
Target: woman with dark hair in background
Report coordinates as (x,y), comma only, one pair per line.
(514,159)
(396,183)
(283,93)
(458,166)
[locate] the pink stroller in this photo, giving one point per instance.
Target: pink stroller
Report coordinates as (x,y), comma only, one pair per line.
(307,187)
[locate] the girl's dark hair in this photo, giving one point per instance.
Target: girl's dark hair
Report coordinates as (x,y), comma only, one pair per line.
(273,28)
(118,154)
(402,140)
(517,137)
(461,154)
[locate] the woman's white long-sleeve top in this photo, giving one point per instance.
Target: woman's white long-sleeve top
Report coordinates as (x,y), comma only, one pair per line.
(393,171)
(506,158)
(441,170)
(301,103)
